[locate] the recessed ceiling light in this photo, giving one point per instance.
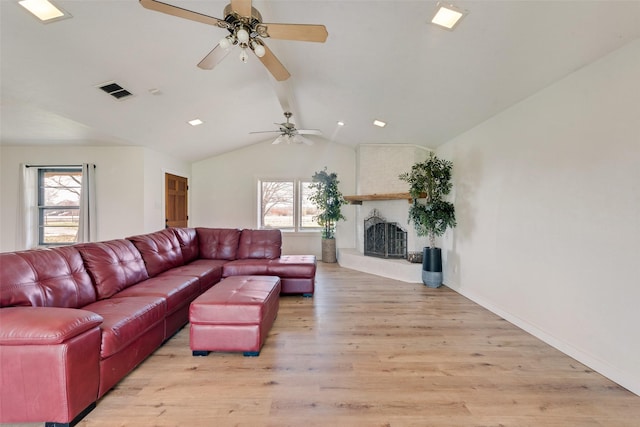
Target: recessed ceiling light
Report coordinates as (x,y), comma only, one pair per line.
(447,15)
(44,10)
(195,122)
(340,123)
(379,123)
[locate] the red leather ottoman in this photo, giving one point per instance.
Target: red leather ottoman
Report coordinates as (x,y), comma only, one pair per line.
(234,315)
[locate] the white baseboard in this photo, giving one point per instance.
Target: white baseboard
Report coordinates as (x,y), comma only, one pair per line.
(614,374)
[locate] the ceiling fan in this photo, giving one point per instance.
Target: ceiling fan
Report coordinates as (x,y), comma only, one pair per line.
(246,30)
(289,133)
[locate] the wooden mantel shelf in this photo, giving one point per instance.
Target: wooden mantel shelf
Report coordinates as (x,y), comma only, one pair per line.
(357,200)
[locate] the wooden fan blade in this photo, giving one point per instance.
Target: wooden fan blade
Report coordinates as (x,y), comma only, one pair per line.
(181,13)
(241,7)
(274,66)
(213,58)
(307,141)
(309,132)
(278,140)
(300,32)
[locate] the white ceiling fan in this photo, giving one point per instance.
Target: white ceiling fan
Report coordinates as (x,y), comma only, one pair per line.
(289,133)
(246,30)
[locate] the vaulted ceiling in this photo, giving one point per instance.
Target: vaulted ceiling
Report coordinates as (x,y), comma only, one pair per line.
(382,60)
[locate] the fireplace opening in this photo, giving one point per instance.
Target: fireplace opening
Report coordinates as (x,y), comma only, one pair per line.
(384,239)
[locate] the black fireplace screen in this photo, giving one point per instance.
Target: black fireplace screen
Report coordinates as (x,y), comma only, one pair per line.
(384,239)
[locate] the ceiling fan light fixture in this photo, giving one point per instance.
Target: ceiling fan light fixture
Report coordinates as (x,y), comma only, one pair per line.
(258,48)
(448,16)
(226,42)
(242,35)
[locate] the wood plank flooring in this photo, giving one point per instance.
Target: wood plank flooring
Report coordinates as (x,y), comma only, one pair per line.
(370,351)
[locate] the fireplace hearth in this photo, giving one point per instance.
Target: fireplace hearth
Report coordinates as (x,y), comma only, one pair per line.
(384,239)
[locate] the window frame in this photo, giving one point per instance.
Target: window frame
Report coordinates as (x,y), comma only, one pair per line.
(42,207)
(297,185)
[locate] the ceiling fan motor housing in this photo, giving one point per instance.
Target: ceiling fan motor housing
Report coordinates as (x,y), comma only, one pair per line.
(235,21)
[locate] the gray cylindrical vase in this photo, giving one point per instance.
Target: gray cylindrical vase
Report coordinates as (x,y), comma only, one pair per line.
(432,267)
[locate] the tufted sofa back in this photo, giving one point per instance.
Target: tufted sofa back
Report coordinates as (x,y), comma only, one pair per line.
(113,265)
(160,251)
(45,278)
(218,243)
(188,239)
(260,244)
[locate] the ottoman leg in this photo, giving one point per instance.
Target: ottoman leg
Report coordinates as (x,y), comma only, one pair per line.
(251,353)
(200,353)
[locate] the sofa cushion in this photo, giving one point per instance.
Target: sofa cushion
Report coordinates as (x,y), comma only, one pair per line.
(260,244)
(218,243)
(160,250)
(246,267)
(126,319)
(176,290)
(208,271)
(114,265)
(45,278)
(188,239)
(293,266)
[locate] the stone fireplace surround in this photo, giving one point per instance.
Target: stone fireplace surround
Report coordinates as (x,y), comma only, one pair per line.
(378,167)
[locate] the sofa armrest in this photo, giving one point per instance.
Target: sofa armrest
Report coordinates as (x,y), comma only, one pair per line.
(50,363)
(44,325)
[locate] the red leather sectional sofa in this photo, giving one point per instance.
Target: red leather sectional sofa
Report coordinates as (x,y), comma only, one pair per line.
(75,320)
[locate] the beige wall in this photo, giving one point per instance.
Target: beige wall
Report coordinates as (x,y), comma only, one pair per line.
(548,206)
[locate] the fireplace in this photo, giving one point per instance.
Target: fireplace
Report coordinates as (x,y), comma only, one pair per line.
(384,239)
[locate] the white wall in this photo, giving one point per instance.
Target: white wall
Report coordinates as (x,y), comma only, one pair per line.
(224,188)
(548,206)
(156,164)
(129,184)
(378,169)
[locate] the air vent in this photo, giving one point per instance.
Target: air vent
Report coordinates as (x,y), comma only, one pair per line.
(115,90)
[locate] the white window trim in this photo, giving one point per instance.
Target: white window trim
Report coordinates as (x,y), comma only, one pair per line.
(297,206)
(42,207)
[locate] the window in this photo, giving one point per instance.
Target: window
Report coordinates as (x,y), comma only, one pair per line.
(59,205)
(285,204)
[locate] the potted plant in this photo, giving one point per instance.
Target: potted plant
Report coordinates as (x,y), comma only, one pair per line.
(329,200)
(430,182)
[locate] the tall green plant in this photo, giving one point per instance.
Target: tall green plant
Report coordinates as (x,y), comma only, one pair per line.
(328,199)
(430,182)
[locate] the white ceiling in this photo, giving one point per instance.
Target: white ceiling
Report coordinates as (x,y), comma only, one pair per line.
(382,60)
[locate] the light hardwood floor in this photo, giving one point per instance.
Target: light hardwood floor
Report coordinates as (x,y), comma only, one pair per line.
(369,351)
